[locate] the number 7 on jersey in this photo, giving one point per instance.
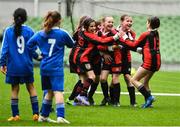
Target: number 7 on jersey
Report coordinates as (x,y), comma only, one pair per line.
(52,43)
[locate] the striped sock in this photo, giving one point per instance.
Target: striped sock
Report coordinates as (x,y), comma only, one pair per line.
(60,108)
(14,107)
(46,107)
(34,104)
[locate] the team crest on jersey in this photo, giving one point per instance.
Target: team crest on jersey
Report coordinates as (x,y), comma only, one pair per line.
(129,69)
(88,66)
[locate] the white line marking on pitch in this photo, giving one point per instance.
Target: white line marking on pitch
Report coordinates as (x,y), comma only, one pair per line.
(137,93)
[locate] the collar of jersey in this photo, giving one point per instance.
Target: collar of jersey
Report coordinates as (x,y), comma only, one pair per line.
(56,27)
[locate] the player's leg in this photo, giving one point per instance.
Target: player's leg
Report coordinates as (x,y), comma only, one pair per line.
(96,65)
(46,108)
(14,81)
(131,90)
(104,87)
(146,82)
(141,73)
(76,90)
(58,88)
(116,89)
(47,100)
(92,90)
(74,68)
(34,100)
(14,103)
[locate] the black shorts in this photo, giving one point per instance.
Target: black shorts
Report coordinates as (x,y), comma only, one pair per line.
(85,67)
(126,68)
(97,67)
(113,68)
(73,67)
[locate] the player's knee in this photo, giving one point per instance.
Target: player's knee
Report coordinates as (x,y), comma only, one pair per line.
(103,80)
(132,80)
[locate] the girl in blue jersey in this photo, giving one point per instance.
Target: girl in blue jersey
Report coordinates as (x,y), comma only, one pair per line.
(51,41)
(16,62)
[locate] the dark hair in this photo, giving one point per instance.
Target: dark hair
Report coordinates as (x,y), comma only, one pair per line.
(122,18)
(98,23)
(81,21)
(80,25)
(87,23)
(20,16)
(51,19)
(154,22)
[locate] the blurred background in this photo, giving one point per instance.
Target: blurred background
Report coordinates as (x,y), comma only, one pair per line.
(140,10)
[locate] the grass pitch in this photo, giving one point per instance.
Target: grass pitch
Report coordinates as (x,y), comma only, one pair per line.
(165,112)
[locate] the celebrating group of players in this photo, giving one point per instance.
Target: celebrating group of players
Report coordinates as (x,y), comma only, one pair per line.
(101,49)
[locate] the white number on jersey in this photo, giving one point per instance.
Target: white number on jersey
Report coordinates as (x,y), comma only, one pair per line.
(20,44)
(52,43)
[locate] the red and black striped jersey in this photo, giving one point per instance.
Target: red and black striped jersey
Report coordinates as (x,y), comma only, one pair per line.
(126,54)
(88,42)
(116,54)
(150,43)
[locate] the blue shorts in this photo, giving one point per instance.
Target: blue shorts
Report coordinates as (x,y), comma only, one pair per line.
(54,83)
(19,79)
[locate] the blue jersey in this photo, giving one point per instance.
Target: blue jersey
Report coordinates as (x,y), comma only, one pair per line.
(14,53)
(51,45)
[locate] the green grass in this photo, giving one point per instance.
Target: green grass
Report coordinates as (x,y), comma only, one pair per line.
(165,112)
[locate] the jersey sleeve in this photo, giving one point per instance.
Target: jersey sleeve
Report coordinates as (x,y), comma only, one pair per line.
(102,48)
(32,46)
(4,49)
(95,39)
(135,43)
(69,42)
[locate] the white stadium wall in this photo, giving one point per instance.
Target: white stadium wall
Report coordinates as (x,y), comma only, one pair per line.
(93,8)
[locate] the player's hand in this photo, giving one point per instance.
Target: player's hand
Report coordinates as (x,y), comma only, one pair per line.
(139,50)
(39,58)
(3,69)
(117,47)
(107,58)
(121,33)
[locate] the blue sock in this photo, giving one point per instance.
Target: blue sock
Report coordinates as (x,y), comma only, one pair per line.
(60,109)
(46,107)
(44,94)
(34,104)
(14,107)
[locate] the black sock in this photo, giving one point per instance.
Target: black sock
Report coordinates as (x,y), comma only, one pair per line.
(132,95)
(116,91)
(75,92)
(104,87)
(92,89)
(111,91)
(144,92)
(85,88)
(145,98)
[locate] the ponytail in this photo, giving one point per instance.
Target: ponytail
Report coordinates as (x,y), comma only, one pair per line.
(20,16)
(154,22)
(50,20)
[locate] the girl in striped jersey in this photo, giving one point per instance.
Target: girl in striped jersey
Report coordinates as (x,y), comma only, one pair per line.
(125,25)
(111,65)
(150,43)
(73,65)
(88,41)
